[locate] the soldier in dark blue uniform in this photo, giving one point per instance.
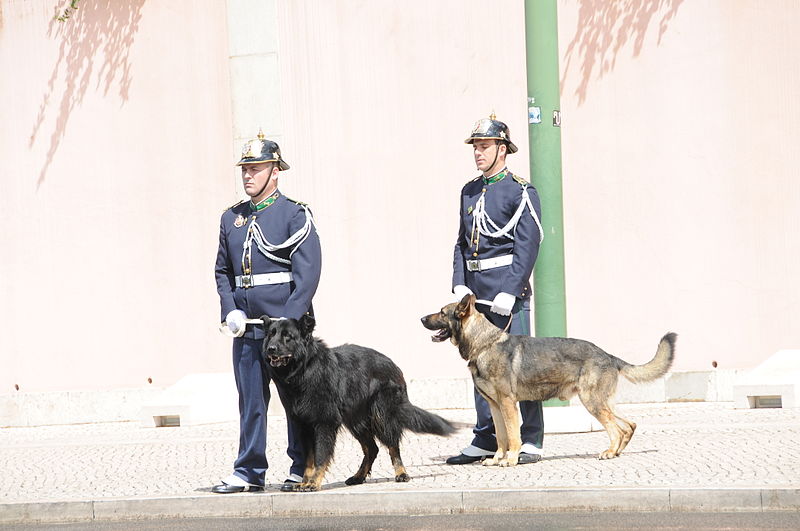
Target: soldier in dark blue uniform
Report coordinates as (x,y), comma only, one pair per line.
(268,263)
(498,242)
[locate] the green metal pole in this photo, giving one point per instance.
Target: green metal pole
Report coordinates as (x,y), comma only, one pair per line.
(544,137)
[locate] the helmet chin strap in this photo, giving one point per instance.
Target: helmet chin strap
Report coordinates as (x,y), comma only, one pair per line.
(266,183)
(496,154)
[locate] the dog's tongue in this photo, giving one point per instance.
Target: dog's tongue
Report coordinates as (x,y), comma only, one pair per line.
(440,336)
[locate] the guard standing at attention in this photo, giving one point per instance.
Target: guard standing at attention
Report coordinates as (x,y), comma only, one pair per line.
(268,263)
(498,242)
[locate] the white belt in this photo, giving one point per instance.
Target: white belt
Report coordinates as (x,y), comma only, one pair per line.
(489,263)
(248,281)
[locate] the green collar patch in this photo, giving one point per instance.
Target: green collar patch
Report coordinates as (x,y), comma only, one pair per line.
(264,203)
(495,178)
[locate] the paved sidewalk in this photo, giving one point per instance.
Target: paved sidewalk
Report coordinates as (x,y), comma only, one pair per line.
(684,456)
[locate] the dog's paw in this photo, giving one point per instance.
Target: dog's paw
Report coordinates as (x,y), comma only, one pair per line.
(355,480)
(491,461)
(402,478)
(307,487)
(608,454)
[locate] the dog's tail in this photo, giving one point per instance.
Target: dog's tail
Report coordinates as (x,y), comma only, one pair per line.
(655,368)
(420,421)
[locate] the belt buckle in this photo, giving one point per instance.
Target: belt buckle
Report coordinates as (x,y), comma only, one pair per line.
(474,265)
(247,281)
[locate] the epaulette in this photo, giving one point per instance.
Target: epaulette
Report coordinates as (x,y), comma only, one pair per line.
(234,205)
(520,180)
(296,201)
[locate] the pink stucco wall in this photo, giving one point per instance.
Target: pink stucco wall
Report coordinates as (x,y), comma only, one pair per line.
(679,126)
(114,148)
(679,175)
(681,190)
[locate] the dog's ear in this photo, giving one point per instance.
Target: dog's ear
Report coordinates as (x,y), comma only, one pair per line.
(265,322)
(466,306)
(307,324)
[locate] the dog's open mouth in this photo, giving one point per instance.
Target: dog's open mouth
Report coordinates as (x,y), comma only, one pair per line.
(441,335)
(280,360)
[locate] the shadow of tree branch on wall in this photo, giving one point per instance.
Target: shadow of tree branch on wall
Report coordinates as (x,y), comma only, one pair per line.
(95,42)
(605,28)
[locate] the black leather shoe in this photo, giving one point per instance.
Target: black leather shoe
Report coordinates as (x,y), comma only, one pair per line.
(462,459)
(233,489)
(289,485)
(527,459)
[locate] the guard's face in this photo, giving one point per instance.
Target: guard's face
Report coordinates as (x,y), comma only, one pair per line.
(485,151)
(256,176)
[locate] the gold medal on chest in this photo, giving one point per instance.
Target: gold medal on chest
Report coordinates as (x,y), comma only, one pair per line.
(239,221)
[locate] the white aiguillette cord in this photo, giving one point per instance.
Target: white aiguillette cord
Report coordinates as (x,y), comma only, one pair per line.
(486,226)
(254,234)
(223,328)
(490,304)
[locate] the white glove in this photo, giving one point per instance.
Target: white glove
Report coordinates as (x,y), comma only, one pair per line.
(235,321)
(460,290)
(503,303)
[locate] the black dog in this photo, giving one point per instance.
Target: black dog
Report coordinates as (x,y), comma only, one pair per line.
(348,385)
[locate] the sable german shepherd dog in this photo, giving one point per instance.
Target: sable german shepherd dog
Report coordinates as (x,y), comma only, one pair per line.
(350,386)
(507,368)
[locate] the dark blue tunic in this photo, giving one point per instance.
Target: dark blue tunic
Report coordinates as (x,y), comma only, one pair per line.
(502,199)
(278,222)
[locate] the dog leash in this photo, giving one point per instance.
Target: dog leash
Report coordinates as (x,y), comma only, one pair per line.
(225,331)
(490,304)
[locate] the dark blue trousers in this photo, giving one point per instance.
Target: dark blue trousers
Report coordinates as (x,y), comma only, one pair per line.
(532,428)
(252,381)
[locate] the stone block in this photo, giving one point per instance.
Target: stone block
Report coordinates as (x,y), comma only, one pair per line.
(556,500)
(441,393)
(687,386)
(73,407)
(245,505)
(775,381)
(715,500)
(355,503)
(45,512)
(195,399)
(780,499)
(569,419)
(631,393)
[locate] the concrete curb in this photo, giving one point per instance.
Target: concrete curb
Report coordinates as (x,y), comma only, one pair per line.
(407,502)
